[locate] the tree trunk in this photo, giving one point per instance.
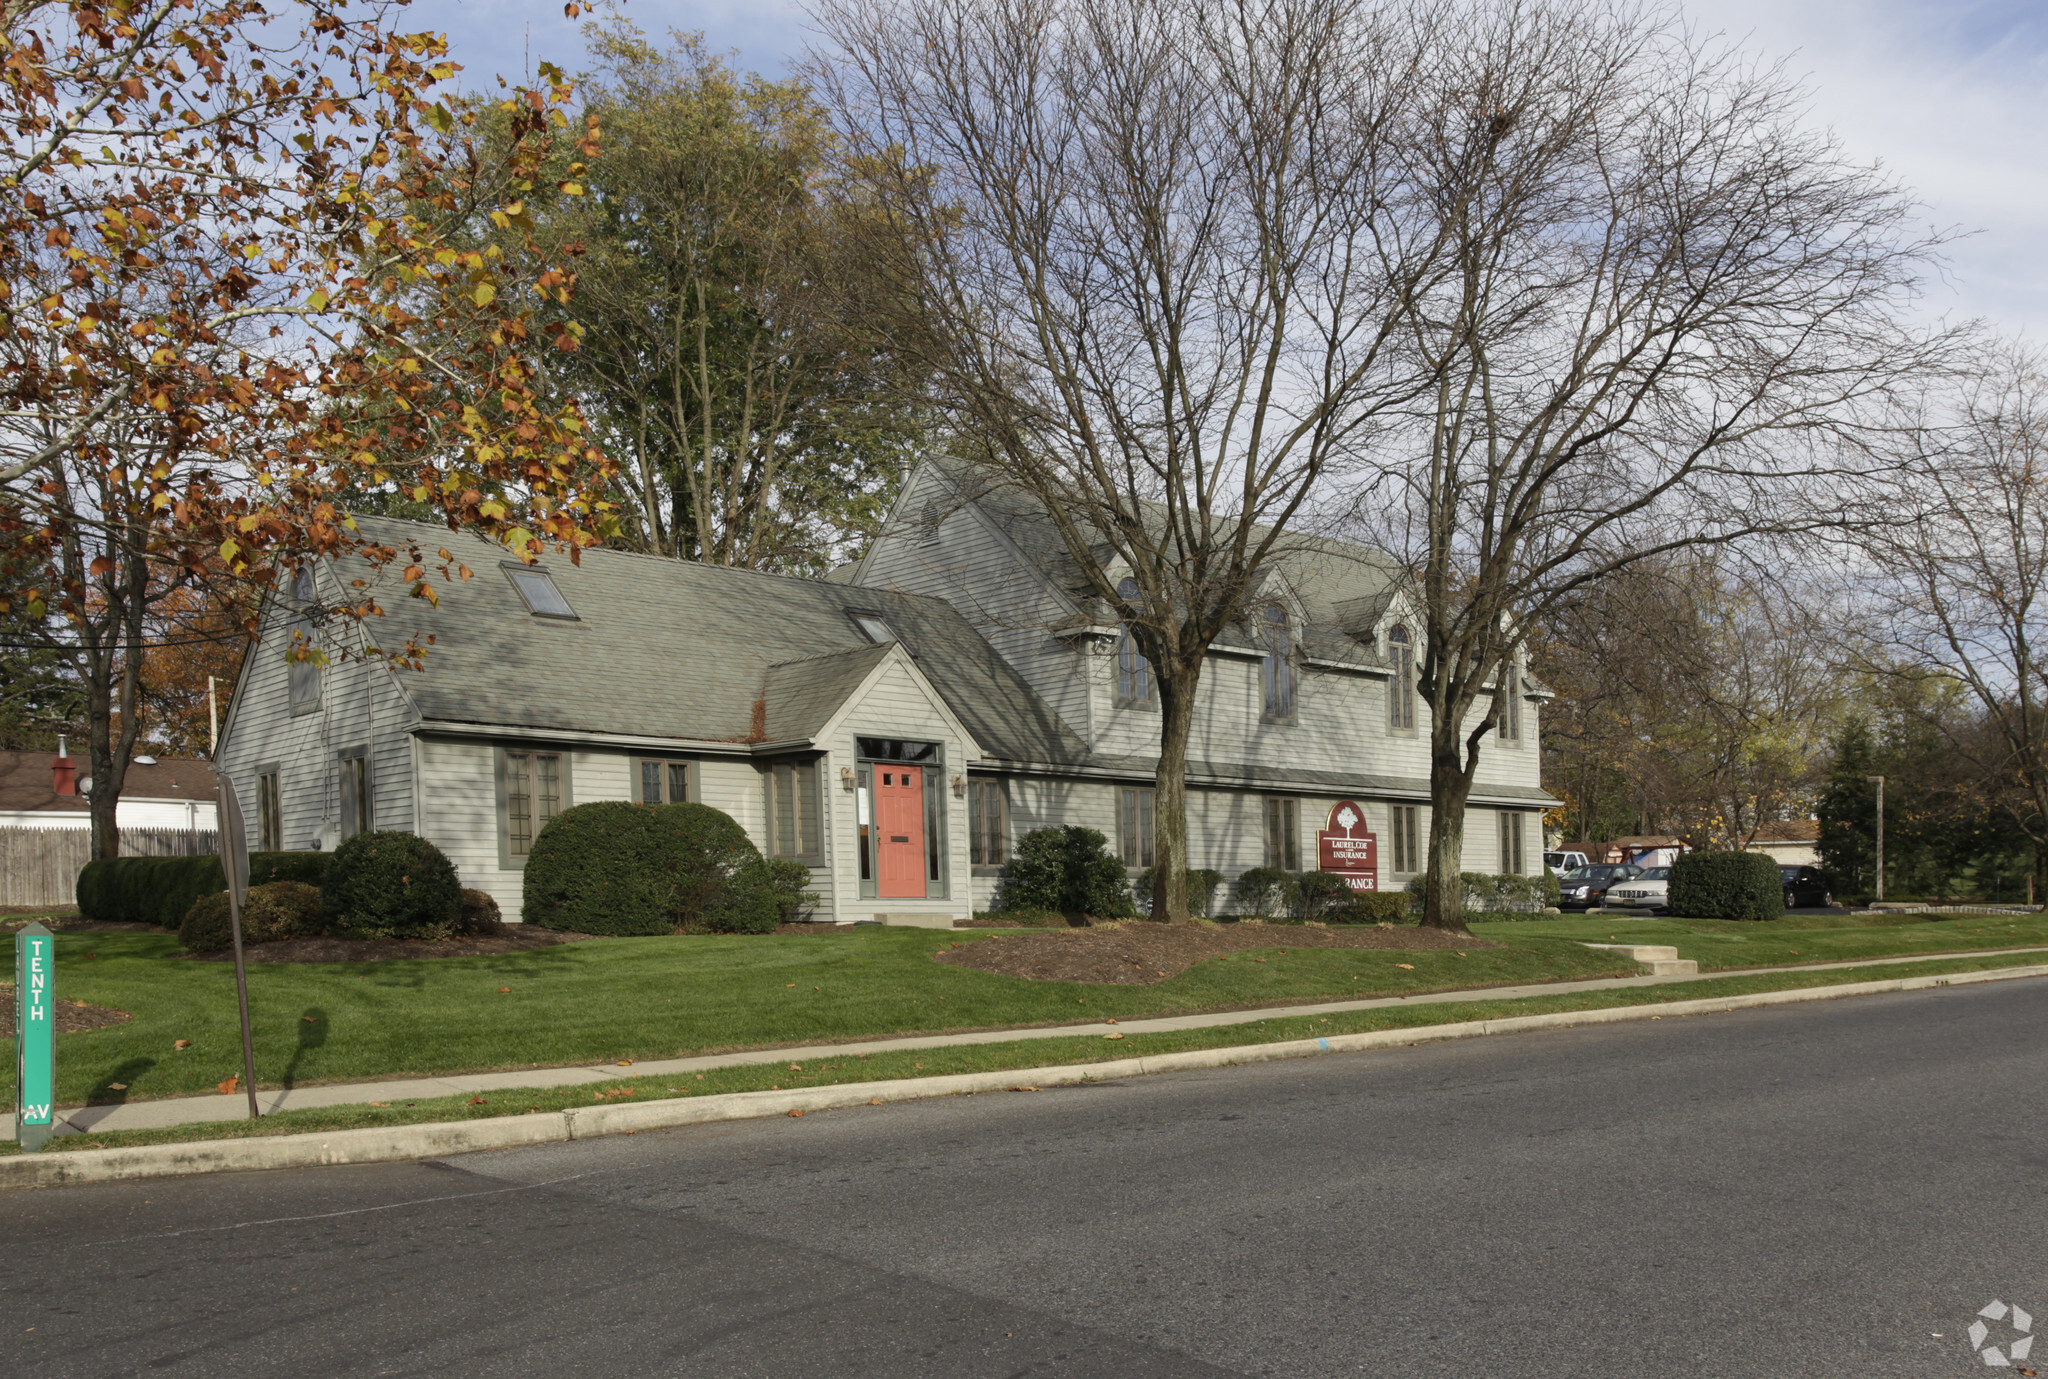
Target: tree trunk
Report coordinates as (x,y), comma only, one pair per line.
(1450,784)
(1170,794)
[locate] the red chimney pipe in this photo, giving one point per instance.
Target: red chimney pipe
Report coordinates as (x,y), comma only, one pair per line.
(64,775)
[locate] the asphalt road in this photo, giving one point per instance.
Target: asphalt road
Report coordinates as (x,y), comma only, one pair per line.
(1809,1190)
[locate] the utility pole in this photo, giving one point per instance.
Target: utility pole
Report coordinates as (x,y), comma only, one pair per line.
(1880,833)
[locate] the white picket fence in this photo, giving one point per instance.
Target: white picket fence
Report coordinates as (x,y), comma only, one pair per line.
(40,866)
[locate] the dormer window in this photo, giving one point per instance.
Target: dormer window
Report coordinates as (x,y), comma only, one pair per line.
(537,588)
(872,627)
(302,587)
(1401,693)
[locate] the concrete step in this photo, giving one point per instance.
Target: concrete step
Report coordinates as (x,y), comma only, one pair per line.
(1661,958)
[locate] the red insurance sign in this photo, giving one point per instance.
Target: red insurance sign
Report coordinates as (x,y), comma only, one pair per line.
(1348,849)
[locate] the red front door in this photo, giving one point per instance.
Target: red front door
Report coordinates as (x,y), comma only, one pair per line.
(899,831)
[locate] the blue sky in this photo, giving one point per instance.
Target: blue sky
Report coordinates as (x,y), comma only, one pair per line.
(1948,95)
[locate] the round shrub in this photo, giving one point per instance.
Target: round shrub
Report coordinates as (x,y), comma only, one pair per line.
(1266,892)
(392,884)
(1726,885)
(623,869)
(1322,895)
(479,916)
(275,910)
(1201,883)
(1070,870)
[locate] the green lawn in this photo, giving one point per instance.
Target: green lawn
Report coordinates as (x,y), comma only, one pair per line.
(1720,944)
(650,998)
(813,1069)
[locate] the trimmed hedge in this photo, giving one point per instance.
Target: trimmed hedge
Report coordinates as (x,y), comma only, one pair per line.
(160,890)
(1267,892)
(391,884)
(626,869)
(1726,885)
(479,916)
(1069,869)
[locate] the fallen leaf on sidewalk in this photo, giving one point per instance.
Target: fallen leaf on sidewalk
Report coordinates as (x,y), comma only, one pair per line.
(1023,1089)
(227,1088)
(625,1062)
(795,1113)
(874,1101)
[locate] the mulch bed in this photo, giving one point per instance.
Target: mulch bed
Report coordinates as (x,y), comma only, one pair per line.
(72,1016)
(1140,953)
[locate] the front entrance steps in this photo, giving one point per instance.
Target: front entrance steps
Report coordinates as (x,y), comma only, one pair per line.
(1660,958)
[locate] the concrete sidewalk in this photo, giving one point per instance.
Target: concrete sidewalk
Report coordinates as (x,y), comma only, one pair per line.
(171,1111)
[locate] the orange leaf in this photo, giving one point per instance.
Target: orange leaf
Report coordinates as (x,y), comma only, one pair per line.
(227,1087)
(478,1101)
(796,1113)
(182,1044)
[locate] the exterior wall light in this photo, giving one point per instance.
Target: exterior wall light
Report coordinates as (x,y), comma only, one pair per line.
(959,787)
(846,779)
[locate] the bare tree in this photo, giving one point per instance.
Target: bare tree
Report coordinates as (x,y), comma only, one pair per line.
(1960,580)
(1164,282)
(1673,311)
(1697,688)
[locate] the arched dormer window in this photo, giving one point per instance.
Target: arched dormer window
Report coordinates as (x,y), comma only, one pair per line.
(1278,670)
(1401,693)
(1133,671)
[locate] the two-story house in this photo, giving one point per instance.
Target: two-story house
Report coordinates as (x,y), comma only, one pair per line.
(897,726)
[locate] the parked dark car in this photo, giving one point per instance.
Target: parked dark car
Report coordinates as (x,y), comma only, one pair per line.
(1805,886)
(1582,888)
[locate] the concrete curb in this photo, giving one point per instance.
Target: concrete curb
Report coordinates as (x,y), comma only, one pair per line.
(51,1169)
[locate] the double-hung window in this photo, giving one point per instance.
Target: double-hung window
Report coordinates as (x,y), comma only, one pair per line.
(793,810)
(269,812)
(356,813)
(1406,829)
(531,794)
(1133,671)
(1283,834)
(987,823)
(660,781)
(1134,826)
(1278,669)
(1511,842)
(1401,692)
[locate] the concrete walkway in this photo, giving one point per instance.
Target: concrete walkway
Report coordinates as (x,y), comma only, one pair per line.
(170,1111)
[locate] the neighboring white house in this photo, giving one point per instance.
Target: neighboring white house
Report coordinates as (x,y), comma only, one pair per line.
(898,726)
(42,790)
(1793,843)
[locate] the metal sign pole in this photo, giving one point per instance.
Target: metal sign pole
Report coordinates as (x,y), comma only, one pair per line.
(234,861)
(35,1056)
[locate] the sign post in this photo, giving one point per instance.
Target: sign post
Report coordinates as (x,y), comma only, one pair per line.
(234,861)
(1346,847)
(35,1029)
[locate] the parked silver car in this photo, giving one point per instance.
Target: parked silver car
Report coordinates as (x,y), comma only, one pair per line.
(1651,890)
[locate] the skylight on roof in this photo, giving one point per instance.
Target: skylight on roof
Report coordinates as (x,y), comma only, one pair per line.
(537,588)
(872,627)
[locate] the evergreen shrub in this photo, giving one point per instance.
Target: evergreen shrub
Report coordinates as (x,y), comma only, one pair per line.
(160,890)
(1202,883)
(1070,870)
(624,869)
(1726,885)
(391,884)
(274,910)
(1266,892)
(479,916)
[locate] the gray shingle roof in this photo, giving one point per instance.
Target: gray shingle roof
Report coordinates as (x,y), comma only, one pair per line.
(668,648)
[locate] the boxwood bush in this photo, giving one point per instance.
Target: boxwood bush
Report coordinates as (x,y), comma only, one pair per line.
(622,869)
(1202,884)
(160,890)
(1267,892)
(1726,885)
(391,884)
(1070,870)
(275,910)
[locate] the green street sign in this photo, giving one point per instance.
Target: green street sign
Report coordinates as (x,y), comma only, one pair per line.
(35,1028)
